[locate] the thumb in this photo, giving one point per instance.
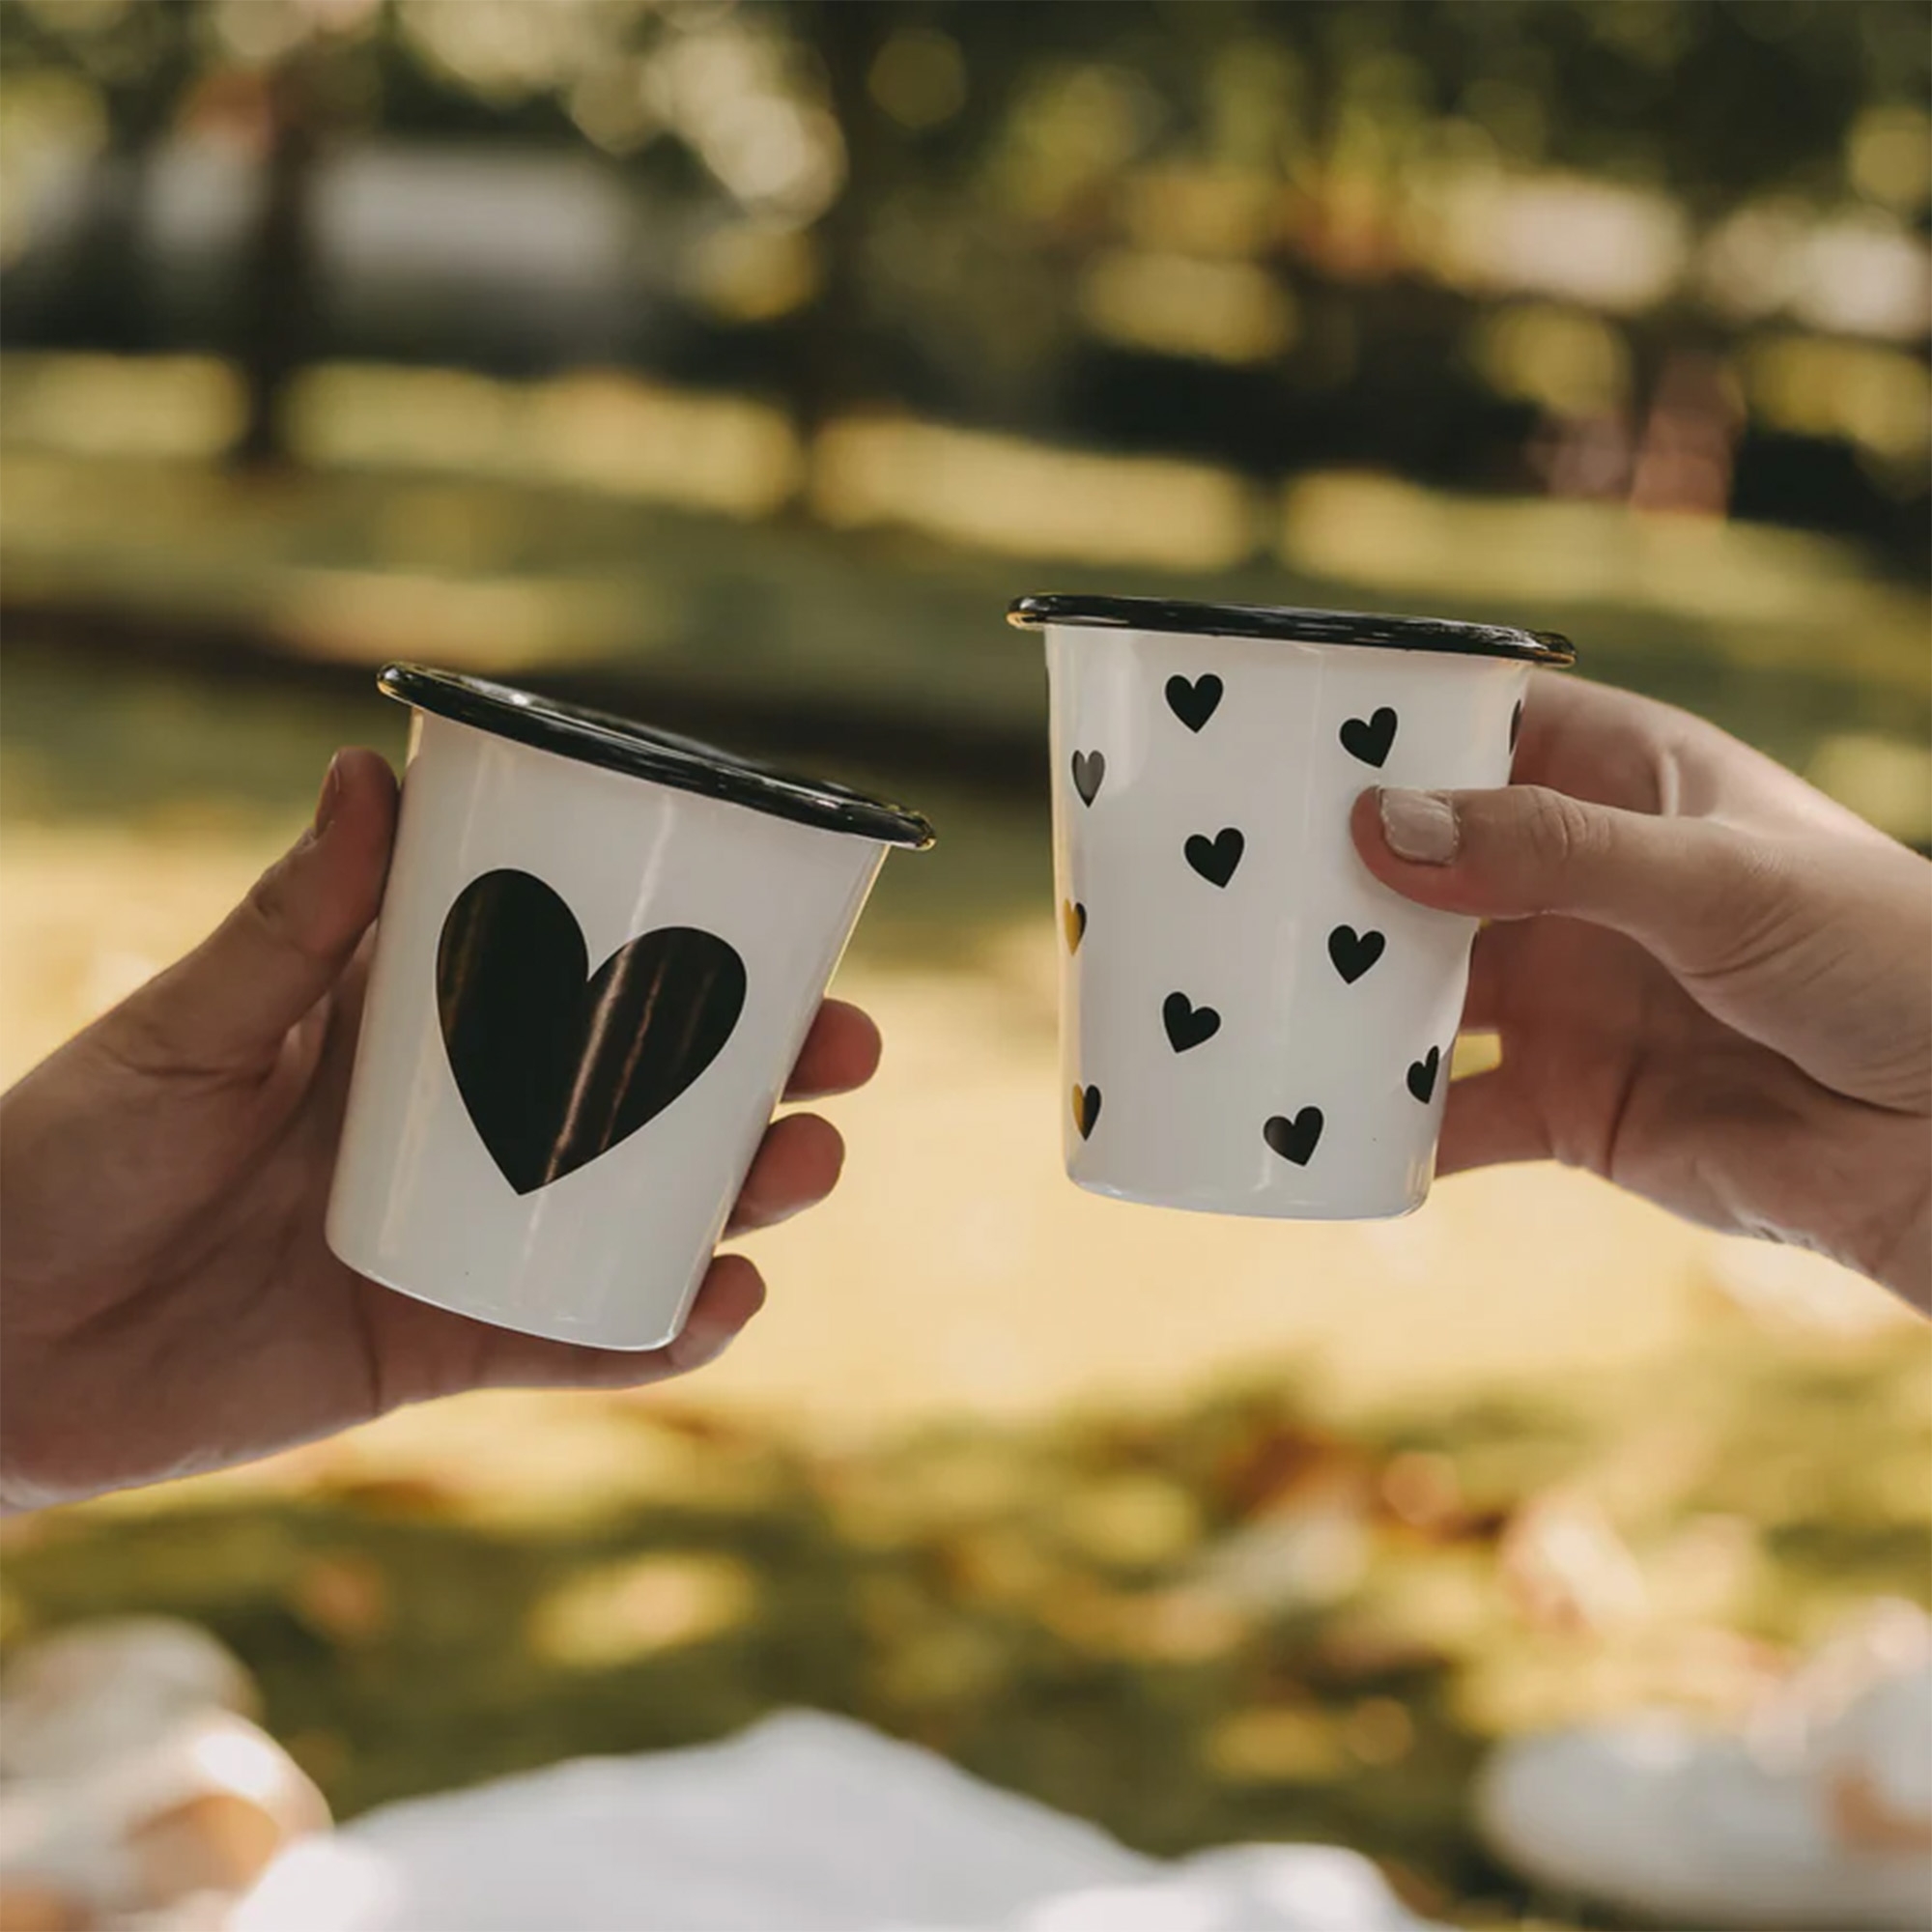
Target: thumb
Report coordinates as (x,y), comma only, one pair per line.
(228,1005)
(1696,894)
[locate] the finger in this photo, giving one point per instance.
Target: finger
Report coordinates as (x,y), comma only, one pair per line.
(228,1005)
(731,1294)
(1611,746)
(1489,972)
(797,1166)
(840,1052)
(1605,746)
(1489,1120)
(1698,893)
(1506,974)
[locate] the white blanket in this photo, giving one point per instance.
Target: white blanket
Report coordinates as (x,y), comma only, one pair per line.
(804,1824)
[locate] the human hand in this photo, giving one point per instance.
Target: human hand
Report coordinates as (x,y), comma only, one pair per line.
(1712,984)
(169,1304)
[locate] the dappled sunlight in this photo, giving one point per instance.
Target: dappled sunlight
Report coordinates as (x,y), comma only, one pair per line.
(1182,306)
(1564,359)
(593,430)
(1880,399)
(184,406)
(1027,499)
(591,521)
(613,434)
(1619,249)
(638,1608)
(1273,1623)
(86,917)
(1888,780)
(1774,596)
(605,431)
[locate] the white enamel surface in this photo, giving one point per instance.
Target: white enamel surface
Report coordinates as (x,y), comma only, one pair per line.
(1186,1129)
(612,1254)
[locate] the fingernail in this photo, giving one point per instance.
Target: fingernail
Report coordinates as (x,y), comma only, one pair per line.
(332,795)
(1420,826)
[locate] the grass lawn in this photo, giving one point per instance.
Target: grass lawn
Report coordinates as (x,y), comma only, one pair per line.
(1226,1620)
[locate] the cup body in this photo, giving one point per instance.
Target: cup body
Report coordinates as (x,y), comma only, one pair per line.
(1250,1022)
(586,995)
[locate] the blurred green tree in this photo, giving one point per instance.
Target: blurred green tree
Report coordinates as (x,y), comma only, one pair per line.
(949,180)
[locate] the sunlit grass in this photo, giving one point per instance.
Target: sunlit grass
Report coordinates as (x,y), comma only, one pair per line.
(604,431)
(453,565)
(640,1607)
(1024,499)
(893,619)
(1513,1566)
(1886,780)
(187,407)
(1778,598)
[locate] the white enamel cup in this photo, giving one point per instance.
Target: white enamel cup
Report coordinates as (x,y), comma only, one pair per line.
(599,952)
(1250,1022)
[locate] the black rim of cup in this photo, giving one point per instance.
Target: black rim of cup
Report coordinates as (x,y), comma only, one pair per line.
(592,737)
(1290,625)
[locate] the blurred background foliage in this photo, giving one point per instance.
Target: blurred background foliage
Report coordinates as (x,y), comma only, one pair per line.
(898,269)
(735,363)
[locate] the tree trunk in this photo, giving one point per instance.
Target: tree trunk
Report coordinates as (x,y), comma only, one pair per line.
(848,34)
(276,306)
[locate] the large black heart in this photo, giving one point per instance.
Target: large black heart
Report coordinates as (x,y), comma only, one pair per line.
(1194,703)
(1422,1076)
(1216,858)
(1090,768)
(557,1065)
(1370,738)
(1294,1139)
(1187,1025)
(1354,952)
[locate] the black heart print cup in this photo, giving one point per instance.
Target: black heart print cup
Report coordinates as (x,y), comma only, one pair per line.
(1250,1023)
(598,952)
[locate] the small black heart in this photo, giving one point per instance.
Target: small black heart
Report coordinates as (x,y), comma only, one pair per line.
(1193,704)
(1369,739)
(1085,1109)
(1216,858)
(1354,952)
(1294,1139)
(1516,724)
(1088,769)
(556,1065)
(1074,914)
(1187,1025)
(1422,1076)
